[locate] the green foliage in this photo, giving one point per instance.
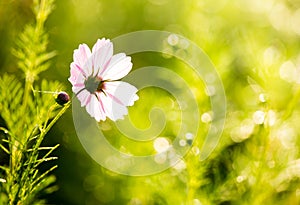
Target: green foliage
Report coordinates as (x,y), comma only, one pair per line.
(28,115)
(32,44)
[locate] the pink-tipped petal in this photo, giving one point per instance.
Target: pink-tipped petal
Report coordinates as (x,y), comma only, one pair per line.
(93,108)
(81,55)
(113,110)
(101,56)
(84,97)
(100,96)
(119,66)
(77,89)
(100,43)
(76,72)
(121,92)
(78,83)
(89,66)
(90,107)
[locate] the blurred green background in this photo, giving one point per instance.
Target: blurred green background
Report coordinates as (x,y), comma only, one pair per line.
(255,47)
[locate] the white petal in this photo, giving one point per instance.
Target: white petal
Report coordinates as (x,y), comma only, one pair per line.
(77,74)
(100,98)
(132,100)
(78,85)
(99,44)
(81,55)
(102,53)
(121,92)
(77,89)
(90,107)
(113,109)
(84,97)
(119,66)
(93,108)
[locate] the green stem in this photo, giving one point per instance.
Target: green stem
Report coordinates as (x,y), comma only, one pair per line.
(33,158)
(16,148)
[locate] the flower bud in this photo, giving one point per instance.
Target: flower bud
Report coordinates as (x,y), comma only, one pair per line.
(62,98)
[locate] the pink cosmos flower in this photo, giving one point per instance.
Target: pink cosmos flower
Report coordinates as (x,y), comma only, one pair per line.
(94,76)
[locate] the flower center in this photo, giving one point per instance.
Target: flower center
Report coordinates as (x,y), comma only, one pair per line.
(93,84)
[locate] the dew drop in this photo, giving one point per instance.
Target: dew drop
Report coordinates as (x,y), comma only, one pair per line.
(161,144)
(206,117)
(259,117)
(182,143)
(262,98)
(173,39)
(189,136)
(240,179)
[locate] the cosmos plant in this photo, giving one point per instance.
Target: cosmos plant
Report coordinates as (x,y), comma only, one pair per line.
(29,111)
